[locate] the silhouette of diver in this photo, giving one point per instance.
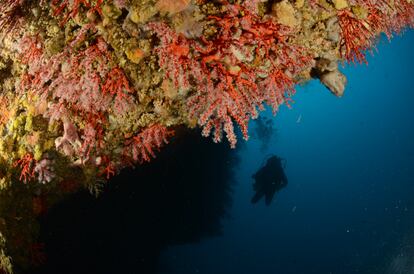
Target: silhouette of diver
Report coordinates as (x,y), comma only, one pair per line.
(269,179)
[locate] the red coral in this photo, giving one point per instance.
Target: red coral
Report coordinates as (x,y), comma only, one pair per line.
(223,69)
(388,17)
(278,88)
(109,168)
(81,84)
(116,84)
(377,16)
(93,137)
(173,55)
(27,166)
(79,80)
(72,8)
(404,16)
(11,16)
(252,5)
(31,49)
(86,81)
(356,37)
(216,105)
(216,109)
(141,147)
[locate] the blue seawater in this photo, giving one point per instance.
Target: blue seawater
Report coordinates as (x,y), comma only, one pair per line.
(348,207)
(349,204)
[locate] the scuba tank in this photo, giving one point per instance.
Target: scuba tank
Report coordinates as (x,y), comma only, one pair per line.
(282,161)
(270,155)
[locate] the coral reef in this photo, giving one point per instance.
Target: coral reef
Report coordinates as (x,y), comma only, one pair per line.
(88,87)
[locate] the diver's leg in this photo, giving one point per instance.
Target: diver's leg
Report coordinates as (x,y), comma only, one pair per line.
(269,197)
(257,196)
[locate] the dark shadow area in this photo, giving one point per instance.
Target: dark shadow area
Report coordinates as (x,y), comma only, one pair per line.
(264,131)
(180,197)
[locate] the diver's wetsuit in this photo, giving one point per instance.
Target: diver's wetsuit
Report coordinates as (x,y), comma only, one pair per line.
(269,179)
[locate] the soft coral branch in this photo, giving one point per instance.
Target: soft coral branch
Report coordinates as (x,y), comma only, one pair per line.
(173,55)
(356,37)
(31,49)
(81,85)
(141,147)
(27,165)
(117,85)
(11,16)
(222,69)
(72,8)
(108,167)
(404,15)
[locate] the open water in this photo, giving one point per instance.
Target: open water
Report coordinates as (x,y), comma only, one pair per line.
(348,206)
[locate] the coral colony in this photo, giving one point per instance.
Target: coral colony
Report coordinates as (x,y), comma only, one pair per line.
(88,87)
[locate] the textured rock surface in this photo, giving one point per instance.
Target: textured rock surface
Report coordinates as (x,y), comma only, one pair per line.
(88,87)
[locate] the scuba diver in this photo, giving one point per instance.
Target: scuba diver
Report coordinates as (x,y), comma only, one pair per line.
(269,179)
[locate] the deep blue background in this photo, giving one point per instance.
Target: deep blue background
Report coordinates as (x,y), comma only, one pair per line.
(349,205)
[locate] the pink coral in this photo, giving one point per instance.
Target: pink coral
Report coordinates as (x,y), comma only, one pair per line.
(31,49)
(252,5)
(11,16)
(141,147)
(70,141)
(116,84)
(404,15)
(80,84)
(173,55)
(227,83)
(45,171)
